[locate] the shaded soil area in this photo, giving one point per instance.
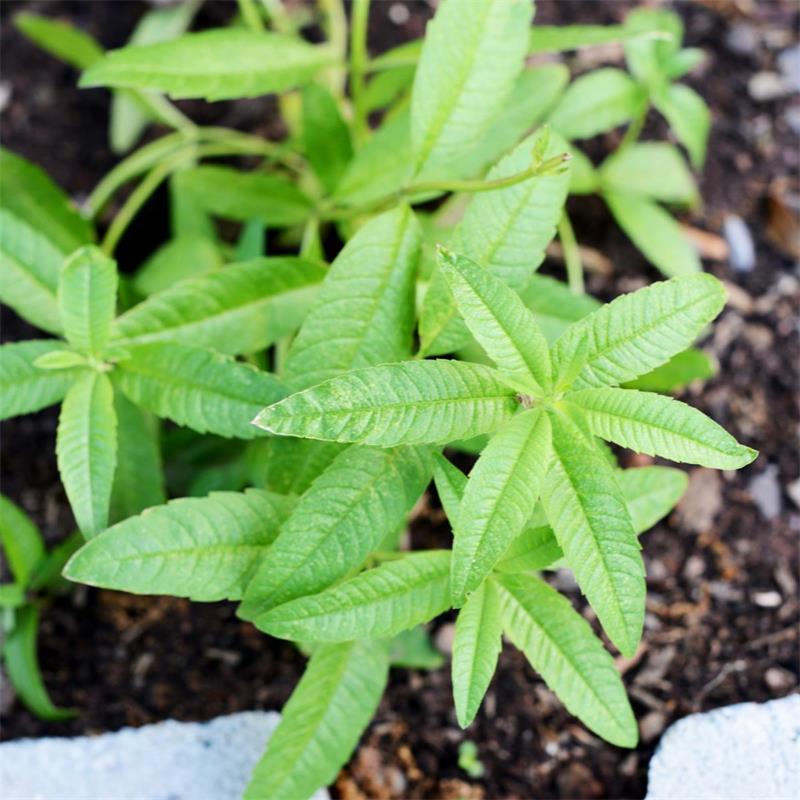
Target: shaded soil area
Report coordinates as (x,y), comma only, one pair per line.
(722,606)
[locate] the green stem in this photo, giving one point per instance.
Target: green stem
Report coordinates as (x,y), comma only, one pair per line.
(635,128)
(250,15)
(572,255)
(358,65)
(335,26)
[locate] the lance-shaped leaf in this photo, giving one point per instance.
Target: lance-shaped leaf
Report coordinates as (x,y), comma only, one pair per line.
(186,256)
(499,321)
(414,402)
(240,309)
(505,231)
(376,604)
(499,499)
(86,450)
(322,722)
(471,56)
(200,389)
(555,305)
(688,116)
(683,368)
(205,549)
(476,647)
(587,512)
(450,484)
(657,425)
(29,267)
(362,496)
(23,545)
(64,41)
(561,647)
(25,388)
(291,465)
(87,299)
(640,331)
(219,64)
(326,138)
(370,285)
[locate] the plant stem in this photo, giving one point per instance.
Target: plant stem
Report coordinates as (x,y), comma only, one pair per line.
(250,15)
(635,128)
(335,26)
(358,65)
(572,255)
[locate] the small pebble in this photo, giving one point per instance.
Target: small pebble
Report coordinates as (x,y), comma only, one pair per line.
(766,86)
(5,95)
(399,13)
(779,679)
(742,38)
(766,492)
(789,65)
(740,242)
(443,640)
(771,599)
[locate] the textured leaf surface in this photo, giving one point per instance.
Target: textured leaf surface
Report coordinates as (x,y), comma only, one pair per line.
(362,496)
(585,507)
(414,402)
(293,464)
(640,331)
(23,545)
(86,450)
(240,309)
(326,138)
(215,65)
(561,647)
(658,425)
(498,319)
(501,493)
(25,388)
(450,484)
(376,604)
(476,647)
(471,56)
(87,299)
(322,722)
(201,548)
(203,390)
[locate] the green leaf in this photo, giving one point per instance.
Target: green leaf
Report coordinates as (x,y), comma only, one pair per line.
(597,102)
(25,388)
(139,477)
(12,595)
(22,665)
(450,484)
(234,194)
(506,231)
(497,318)
(326,137)
(291,465)
(29,194)
(363,495)
(476,647)
(23,545)
(471,56)
(658,425)
(682,62)
(558,38)
(87,299)
(200,389)
(587,512)
(503,488)
(533,550)
(413,649)
(64,41)
(654,232)
(647,55)
(414,402)
(322,722)
(683,368)
(187,212)
(29,267)
(561,647)
(48,576)
(688,116)
(86,450)
(205,549)
(219,64)
(583,175)
(555,306)
(376,604)
(640,331)
(387,87)
(185,256)
(240,309)
(652,169)
(60,359)
(364,312)
(651,493)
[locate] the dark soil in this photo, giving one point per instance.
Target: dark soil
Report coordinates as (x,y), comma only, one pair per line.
(722,615)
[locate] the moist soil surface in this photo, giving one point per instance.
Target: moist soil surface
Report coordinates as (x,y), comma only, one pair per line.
(722,607)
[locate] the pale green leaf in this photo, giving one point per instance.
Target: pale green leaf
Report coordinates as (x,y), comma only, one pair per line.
(499,321)
(326,138)
(683,368)
(376,604)
(387,86)
(450,484)
(558,38)
(655,232)
(561,647)
(534,549)
(679,64)
(688,116)
(501,493)
(61,359)
(200,389)
(242,308)
(583,175)
(322,722)
(291,465)
(657,425)
(186,256)
(86,450)
(471,56)
(23,545)
(476,647)
(555,306)
(363,495)
(87,299)
(597,102)
(219,64)
(414,402)
(25,388)
(414,649)
(648,54)
(587,512)
(638,332)
(205,549)
(64,41)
